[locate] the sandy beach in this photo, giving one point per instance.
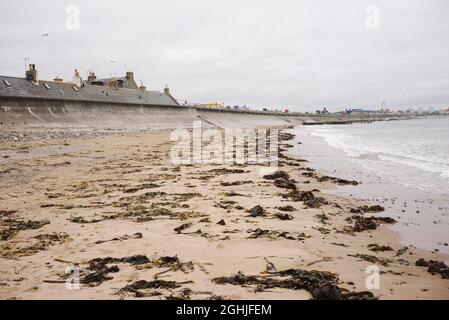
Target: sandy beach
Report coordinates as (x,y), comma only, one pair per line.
(135,226)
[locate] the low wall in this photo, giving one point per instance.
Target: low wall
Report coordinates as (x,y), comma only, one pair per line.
(69,114)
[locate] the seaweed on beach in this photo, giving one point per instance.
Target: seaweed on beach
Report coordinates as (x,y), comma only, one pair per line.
(434,267)
(137,235)
(307,197)
(277,175)
(7,213)
(182,227)
(284,216)
(372,259)
(275,234)
(285,184)
(286,208)
(257,211)
(338,181)
(367,209)
(376,247)
(235,183)
(368,223)
(42,242)
(227,171)
(321,285)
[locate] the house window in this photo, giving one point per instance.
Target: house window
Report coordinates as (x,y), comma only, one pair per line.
(7,83)
(47,86)
(75,89)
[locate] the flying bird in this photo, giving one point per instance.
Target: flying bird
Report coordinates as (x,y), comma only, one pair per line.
(45,35)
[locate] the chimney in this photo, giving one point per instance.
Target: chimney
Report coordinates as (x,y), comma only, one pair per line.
(167,90)
(91,77)
(31,74)
(77,80)
(142,87)
(58,79)
(130,75)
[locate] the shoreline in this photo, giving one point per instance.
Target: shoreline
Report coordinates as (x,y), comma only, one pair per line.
(118,197)
(417,210)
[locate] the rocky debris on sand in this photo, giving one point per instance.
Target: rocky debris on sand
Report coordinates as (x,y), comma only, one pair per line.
(275,234)
(321,285)
(376,247)
(257,211)
(307,197)
(367,209)
(221,222)
(337,180)
(434,267)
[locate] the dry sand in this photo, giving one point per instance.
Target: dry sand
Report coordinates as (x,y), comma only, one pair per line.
(115,188)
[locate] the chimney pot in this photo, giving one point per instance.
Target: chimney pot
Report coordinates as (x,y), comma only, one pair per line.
(31,74)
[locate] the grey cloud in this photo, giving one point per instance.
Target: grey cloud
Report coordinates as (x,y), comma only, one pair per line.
(297,54)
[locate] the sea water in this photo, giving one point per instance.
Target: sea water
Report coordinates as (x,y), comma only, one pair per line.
(403,165)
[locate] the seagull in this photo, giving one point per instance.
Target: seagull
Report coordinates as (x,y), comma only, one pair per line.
(45,35)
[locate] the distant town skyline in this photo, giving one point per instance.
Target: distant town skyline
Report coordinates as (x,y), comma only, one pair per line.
(300,55)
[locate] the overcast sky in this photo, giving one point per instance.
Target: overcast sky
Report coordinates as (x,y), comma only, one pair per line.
(297,54)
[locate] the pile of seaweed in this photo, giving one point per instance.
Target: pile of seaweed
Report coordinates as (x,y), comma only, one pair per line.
(369,223)
(434,267)
(281,180)
(321,285)
(307,197)
(98,270)
(14,226)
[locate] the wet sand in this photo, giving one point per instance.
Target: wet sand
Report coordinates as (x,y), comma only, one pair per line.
(68,201)
(423,217)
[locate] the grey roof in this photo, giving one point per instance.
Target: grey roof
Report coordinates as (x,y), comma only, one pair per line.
(107,80)
(23,88)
